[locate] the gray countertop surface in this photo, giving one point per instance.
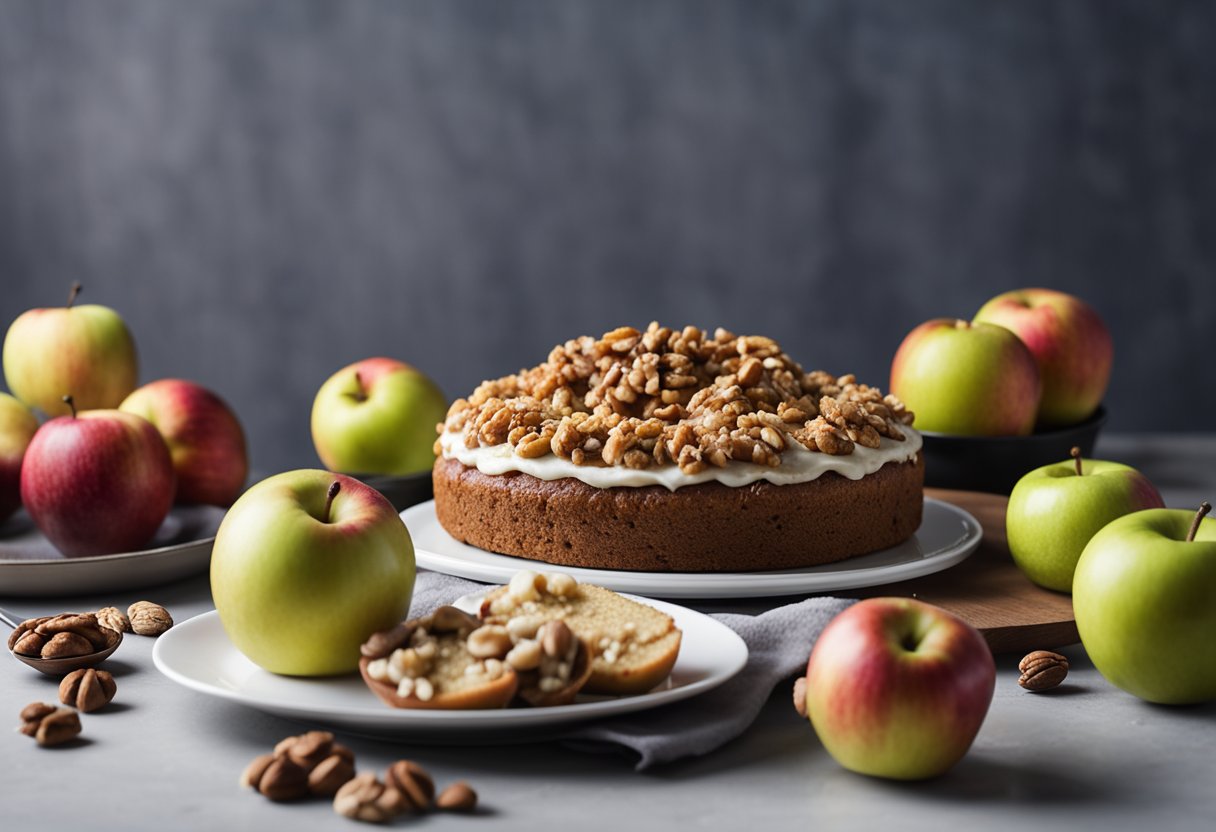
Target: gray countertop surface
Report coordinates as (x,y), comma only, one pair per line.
(164,757)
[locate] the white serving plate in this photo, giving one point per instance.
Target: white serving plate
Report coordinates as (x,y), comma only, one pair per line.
(198,654)
(947,535)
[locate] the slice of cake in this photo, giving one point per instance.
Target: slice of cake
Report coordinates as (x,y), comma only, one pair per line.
(678,450)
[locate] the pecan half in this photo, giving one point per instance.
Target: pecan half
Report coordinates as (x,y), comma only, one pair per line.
(1042,670)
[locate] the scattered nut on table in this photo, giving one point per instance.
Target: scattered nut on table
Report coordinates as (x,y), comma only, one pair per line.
(115,619)
(366,798)
(87,689)
(414,782)
(277,778)
(1042,670)
(148,619)
(48,724)
(458,797)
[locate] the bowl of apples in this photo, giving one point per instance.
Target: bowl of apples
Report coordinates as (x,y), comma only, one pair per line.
(1015,388)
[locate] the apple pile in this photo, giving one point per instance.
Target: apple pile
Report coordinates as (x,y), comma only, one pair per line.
(1030,358)
(101,473)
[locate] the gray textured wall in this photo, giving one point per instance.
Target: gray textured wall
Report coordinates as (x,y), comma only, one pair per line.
(269,190)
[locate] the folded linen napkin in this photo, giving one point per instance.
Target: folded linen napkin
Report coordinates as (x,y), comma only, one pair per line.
(778,643)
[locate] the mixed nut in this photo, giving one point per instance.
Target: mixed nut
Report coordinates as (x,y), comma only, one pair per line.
(315,765)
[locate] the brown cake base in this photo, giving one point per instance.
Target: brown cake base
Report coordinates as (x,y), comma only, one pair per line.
(699,528)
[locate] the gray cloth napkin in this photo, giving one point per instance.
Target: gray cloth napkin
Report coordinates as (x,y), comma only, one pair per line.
(778,642)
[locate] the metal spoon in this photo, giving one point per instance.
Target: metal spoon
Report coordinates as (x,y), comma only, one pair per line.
(64,666)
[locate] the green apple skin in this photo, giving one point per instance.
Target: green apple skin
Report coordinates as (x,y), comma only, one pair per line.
(1053,513)
(17,427)
(86,352)
(1143,600)
(377,416)
(298,594)
(1070,343)
(967,379)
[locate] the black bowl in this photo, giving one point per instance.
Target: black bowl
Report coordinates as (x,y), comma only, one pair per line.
(401,491)
(996,463)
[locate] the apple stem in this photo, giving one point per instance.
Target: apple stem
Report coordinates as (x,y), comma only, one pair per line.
(1204,508)
(1075,453)
(360,391)
(70,402)
(73,292)
(334,488)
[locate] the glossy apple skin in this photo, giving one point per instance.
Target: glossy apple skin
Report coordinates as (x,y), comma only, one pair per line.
(86,352)
(204,436)
(98,483)
(1143,599)
(298,595)
(382,422)
(898,688)
(1053,513)
(966,380)
(1070,343)
(17,427)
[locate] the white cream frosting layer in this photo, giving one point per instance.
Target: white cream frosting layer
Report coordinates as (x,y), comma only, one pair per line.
(797,465)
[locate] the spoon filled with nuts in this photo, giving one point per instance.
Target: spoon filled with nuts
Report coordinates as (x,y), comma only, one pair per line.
(58,644)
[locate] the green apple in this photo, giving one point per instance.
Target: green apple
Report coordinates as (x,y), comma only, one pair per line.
(377,416)
(966,379)
(307,565)
(1143,598)
(17,427)
(85,352)
(1055,510)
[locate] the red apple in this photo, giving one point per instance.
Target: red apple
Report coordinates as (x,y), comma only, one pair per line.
(83,351)
(97,482)
(204,437)
(1068,340)
(898,688)
(966,379)
(17,428)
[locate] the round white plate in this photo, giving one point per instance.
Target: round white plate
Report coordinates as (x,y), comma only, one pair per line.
(181,548)
(198,654)
(947,535)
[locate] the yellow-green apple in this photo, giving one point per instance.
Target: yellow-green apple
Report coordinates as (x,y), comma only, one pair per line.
(83,351)
(377,416)
(1143,598)
(17,428)
(97,482)
(1068,340)
(1054,511)
(204,437)
(967,379)
(898,688)
(306,565)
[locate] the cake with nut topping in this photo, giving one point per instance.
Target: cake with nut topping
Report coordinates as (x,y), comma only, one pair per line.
(678,450)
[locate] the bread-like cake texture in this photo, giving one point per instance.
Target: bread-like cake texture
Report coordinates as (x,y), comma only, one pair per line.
(633,646)
(678,450)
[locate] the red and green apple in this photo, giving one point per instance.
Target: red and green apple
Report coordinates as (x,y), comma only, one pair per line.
(377,416)
(17,427)
(898,688)
(97,482)
(86,352)
(1054,511)
(306,565)
(1070,343)
(204,436)
(967,379)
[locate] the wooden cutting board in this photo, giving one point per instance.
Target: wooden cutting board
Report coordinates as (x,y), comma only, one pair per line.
(989,591)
